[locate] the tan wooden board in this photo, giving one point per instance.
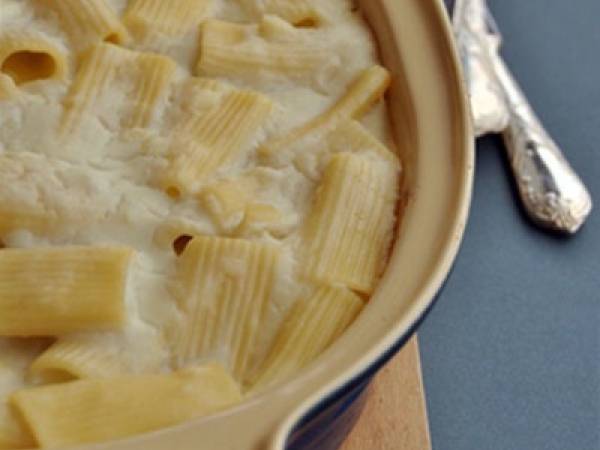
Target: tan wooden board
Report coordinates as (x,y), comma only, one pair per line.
(395,417)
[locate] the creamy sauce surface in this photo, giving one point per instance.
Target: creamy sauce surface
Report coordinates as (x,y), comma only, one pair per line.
(104,173)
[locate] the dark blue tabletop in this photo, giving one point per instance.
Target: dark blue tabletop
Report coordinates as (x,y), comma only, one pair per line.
(511,352)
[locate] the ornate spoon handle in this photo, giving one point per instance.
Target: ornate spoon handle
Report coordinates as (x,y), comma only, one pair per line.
(552,193)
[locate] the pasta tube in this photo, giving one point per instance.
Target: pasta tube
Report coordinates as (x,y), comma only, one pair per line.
(170,17)
(349,230)
(77,358)
(54,291)
(95,410)
(226,201)
(89,22)
(154,73)
(311,326)
(217,137)
(225,290)
(15,356)
(361,95)
(352,137)
(237,50)
(150,75)
(297,12)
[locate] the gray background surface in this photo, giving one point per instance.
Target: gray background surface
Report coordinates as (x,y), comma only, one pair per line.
(511,352)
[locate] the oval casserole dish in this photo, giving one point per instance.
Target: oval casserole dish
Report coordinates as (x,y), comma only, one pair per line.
(431,125)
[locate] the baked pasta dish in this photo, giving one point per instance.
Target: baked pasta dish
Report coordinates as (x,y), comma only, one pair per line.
(197,197)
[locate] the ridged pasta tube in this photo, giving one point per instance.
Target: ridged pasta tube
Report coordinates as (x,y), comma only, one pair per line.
(226,201)
(297,12)
(366,90)
(150,75)
(100,355)
(89,22)
(310,327)
(154,73)
(210,140)
(77,358)
(54,291)
(96,72)
(349,230)
(262,217)
(243,51)
(170,17)
(96,410)
(352,137)
(310,156)
(15,355)
(225,291)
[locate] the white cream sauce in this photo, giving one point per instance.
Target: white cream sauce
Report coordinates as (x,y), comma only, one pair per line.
(103,174)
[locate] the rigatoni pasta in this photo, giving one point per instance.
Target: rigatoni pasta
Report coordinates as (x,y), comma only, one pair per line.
(49,292)
(96,72)
(94,410)
(171,17)
(235,209)
(227,201)
(225,290)
(155,72)
(75,357)
(311,326)
(263,218)
(297,12)
(15,356)
(349,231)
(101,68)
(207,141)
(89,21)
(352,137)
(361,95)
(235,50)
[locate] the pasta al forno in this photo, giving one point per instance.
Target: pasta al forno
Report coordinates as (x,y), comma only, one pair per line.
(197,199)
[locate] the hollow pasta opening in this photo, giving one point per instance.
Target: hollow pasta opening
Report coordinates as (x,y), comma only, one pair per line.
(309,22)
(54,375)
(25,66)
(173,192)
(113,38)
(180,244)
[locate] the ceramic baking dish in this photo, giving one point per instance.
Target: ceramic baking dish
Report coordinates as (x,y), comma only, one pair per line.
(432,131)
